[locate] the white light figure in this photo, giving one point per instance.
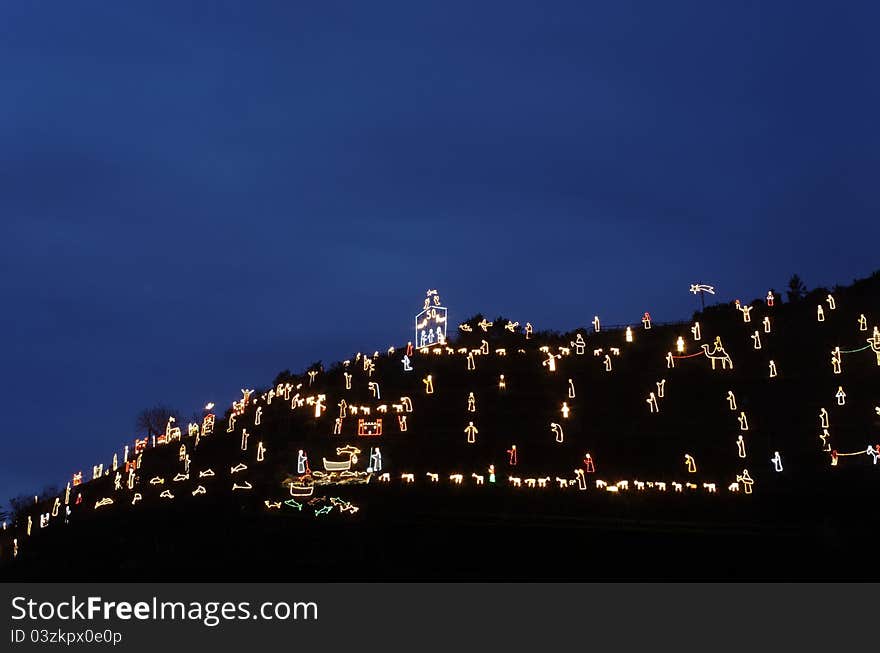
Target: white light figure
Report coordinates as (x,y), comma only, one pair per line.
(874,343)
(820,313)
(596,324)
(471,403)
(302,462)
(841,396)
(244,439)
(652,403)
(777,461)
(670,361)
(407,364)
(629,334)
(258,416)
(831,303)
(231,426)
(607,363)
(97,470)
(773,371)
(756,340)
(695,330)
(823,419)
(743,421)
(555,428)
(731,400)
(429,385)
(770,298)
(471,431)
(874,452)
(579,345)
(550,363)
(863,322)
(679,345)
(589,466)
(347,380)
(528,330)
(702,287)
(741,447)
(502,384)
(484,348)
(401,423)
(471,364)
(646,320)
(570,389)
(691,463)
(125,454)
(746,311)
(661,388)
(836,360)
(374,389)
(565,410)
(581,479)
(766,323)
(718,353)
(261,452)
(407,404)
(337,426)
(375,460)
(746,480)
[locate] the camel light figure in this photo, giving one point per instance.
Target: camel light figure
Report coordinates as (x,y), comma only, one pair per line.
(718,354)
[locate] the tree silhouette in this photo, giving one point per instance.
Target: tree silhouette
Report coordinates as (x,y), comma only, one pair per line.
(153,420)
(796,289)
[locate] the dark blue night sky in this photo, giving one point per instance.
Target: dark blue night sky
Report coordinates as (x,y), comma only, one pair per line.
(196,198)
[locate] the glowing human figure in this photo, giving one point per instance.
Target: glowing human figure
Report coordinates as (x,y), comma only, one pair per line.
(261,452)
(374,389)
(691,463)
(874,343)
(773,371)
(747,481)
(491,473)
(629,334)
(528,330)
(589,465)
(836,360)
(472,403)
(661,388)
(581,479)
(302,462)
(756,340)
(407,404)
(831,303)
(820,313)
(231,426)
(841,396)
(670,361)
(511,455)
(484,348)
(874,452)
(565,410)
(597,325)
(652,403)
(347,380)
(766,323)
(747,313)
(409,349)
(557,431)
(646,320)
(258,415)
(579,345)
(777,461)
(570,389)
(743,421)
(823,419)
(471,363)
(679,345)
(695,331)
(731,400)
(770,298)
(607,362)
(407,364)
(550,363)
(863,322)
(741,447)
(429,385)
(375,460)
(401,423)
(471,431)
(502,384)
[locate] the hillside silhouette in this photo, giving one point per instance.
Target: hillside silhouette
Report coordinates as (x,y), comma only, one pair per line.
(658,465)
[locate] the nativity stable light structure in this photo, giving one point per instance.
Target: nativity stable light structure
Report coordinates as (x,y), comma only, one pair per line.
(431,322)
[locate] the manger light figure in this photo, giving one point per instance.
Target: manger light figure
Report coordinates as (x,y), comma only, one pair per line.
(407,364)
(431,322)
(777,461)
(557,431)
(471,431)
(741,447)
(691,463)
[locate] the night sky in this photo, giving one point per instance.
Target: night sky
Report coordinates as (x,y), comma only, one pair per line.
(194,199)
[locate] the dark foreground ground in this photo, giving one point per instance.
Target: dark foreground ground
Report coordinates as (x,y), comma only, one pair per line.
(423,534)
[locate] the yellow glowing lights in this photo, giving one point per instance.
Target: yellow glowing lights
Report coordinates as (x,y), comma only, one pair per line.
(556,429)
(471,432)
(428,381)
(679,345)
(691,463)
